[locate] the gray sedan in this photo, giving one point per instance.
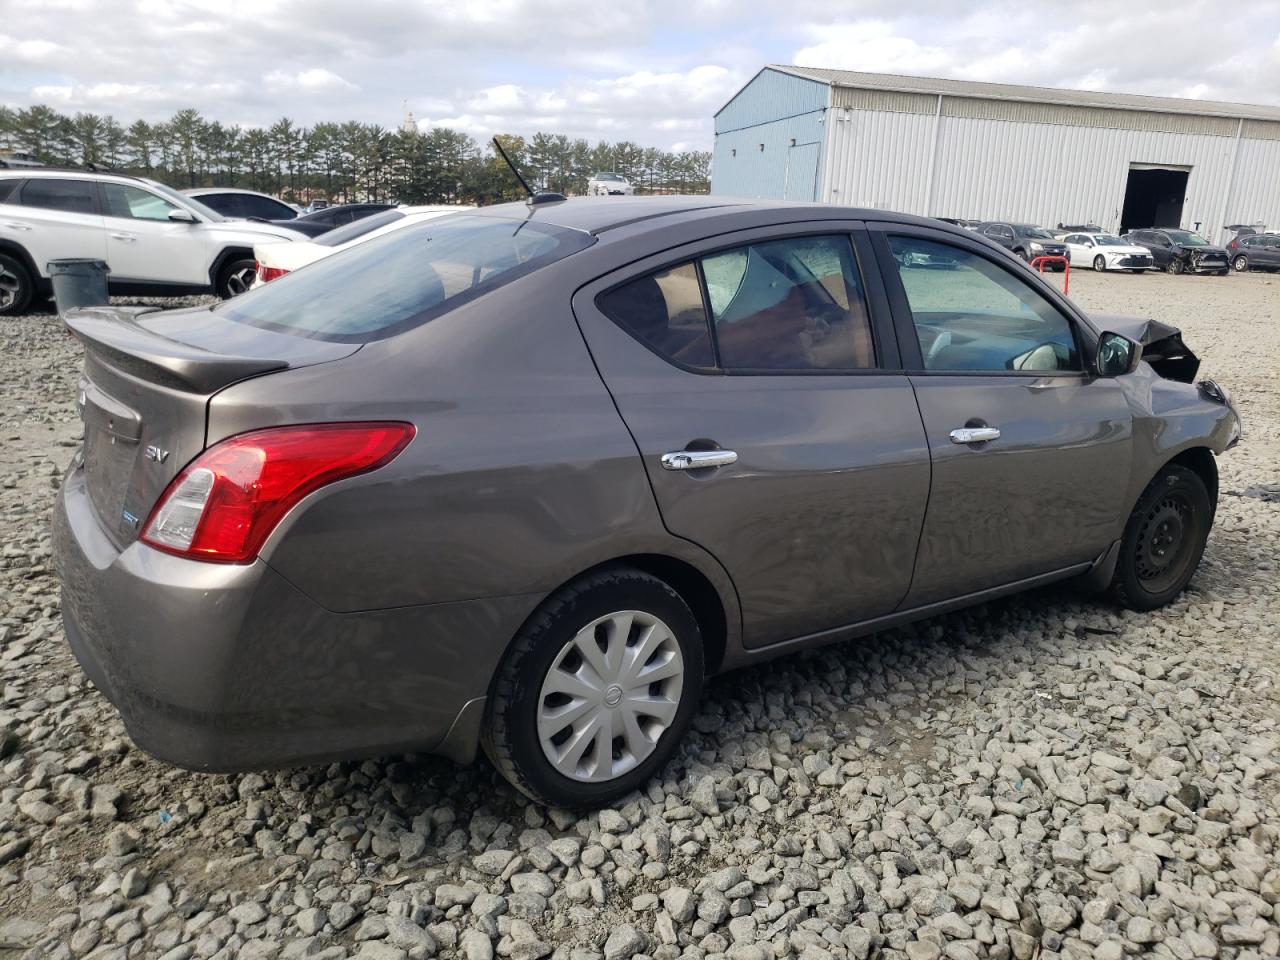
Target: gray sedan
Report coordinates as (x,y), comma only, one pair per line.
(526,476)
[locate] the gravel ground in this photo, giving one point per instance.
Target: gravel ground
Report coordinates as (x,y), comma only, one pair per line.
(1042,776)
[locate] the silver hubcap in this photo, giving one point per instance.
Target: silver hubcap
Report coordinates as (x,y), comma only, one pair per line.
(610,694)
(9,287)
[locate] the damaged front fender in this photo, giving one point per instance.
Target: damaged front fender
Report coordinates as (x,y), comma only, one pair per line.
(1162,345)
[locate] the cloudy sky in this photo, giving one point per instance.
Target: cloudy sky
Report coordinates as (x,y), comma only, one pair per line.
(653,72)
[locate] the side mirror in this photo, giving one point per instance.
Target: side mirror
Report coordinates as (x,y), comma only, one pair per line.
(1116,355)
(182,216)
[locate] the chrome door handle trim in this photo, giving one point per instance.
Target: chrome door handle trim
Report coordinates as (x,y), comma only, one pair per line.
(697,459)
(974,434)
(126,237)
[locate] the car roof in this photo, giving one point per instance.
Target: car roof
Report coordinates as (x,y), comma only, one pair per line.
(65,173)
(599,215)
(205,191)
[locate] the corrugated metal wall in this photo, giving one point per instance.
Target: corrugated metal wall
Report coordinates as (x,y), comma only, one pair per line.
(766,136)
(1034,172)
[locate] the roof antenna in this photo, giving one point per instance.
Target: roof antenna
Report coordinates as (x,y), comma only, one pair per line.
(534,198)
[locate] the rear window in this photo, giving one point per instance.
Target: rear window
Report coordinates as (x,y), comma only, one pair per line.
(340,235)
(398,281)
(70,196)
(9,185)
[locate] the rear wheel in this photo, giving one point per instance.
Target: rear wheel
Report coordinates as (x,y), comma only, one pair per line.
(235,277)
(16,286)
(1174,266)
(1240,263)
(596,691)
(1163,540)
(1100,263)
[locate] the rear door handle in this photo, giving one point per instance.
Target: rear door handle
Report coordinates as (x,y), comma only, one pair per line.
(14,225)
(126,237)
(697,459)
(974,434)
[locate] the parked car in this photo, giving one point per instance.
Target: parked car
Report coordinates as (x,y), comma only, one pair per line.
(1256,251)
(322,221)
(1105,251)
(481,480)
(609,185)
(315,205)
(274,260)
(18,161)
(1024,240)
(1180,251)
(235,204)
(155,241)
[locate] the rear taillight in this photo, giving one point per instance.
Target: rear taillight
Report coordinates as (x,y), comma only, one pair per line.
(267,274)
(226,502)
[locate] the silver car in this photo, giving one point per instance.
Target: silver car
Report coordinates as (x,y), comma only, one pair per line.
(526,476)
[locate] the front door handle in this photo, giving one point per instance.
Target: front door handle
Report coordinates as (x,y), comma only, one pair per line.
(974,434)
(697,459)
(14,225)
(126,237)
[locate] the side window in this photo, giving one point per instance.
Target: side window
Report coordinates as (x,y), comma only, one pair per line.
(794,304)
(69,196)
(263,207)
(134,204)
(227,204)
(664,311)
(976,316)
(9,186)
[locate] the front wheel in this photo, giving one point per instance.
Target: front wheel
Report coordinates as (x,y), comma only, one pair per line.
(235,277)
(1100,263)
(1174,266)
(16,286)
(596,690)
(1163,540)
(1240,263)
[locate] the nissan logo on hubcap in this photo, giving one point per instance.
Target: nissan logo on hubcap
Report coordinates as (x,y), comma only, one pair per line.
(613,695)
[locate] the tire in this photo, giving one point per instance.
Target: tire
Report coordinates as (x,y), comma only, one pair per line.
(16,286)
(234,277)
(1100,263)
(1153,569)
(1240,263)
(520,736)
(1174,266)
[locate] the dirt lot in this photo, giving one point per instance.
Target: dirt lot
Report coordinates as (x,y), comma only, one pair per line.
(1041,776)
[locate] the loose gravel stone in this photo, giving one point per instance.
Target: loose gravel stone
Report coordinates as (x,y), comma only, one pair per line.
(1042,776)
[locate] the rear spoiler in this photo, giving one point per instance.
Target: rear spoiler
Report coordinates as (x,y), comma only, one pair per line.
(114,333)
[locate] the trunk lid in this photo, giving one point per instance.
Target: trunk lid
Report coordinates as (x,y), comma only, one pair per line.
(144,395)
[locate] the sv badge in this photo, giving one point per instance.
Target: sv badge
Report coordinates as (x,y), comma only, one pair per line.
(155,453)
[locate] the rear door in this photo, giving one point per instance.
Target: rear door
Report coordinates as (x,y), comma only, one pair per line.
(144,245)
(55,219)
(1265,250)
(758,375)
(1031,454)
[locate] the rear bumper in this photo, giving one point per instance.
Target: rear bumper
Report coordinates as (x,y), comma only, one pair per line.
(220,667)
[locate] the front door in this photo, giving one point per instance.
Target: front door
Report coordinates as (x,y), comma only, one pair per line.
(144,245)
(754,373)
(1031,454)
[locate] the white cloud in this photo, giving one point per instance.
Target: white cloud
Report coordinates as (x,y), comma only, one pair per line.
(315,79)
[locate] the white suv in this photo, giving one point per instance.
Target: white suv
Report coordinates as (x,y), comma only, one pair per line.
(156,241)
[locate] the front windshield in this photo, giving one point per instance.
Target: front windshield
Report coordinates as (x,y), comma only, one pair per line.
(1187,239)
(182,200)
(1108,240)
(608,176)
(1037,232)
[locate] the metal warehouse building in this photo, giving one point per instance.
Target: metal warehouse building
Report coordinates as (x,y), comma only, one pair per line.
(951,148)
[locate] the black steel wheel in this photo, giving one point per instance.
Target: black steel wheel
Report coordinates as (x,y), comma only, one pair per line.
(1163,540)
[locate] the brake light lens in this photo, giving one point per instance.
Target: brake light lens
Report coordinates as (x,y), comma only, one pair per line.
(226,502)
(267,274)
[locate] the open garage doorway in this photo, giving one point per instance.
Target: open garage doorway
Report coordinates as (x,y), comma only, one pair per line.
(1153,197)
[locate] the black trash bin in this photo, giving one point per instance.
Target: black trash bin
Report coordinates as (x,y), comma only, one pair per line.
(78,283)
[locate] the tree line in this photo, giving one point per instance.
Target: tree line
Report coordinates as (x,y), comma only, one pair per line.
(341,161)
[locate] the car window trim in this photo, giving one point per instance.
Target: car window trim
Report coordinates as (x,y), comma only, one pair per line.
(878,314)
(904,322)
